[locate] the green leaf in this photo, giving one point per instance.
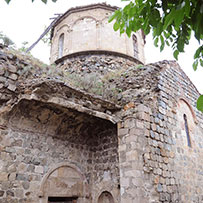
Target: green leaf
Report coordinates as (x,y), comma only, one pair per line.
(156,42)
(180,45)
(162,43)
(175,54)
(154,17)
(159,28)
(116,26)
(167,42)
(45,1)
(7,1)
(187,7)
(200,103)
(197,53)
(201,62)
(178,18)
(166,34)
(168,19)
(117,14)
(194,65)
(128,31)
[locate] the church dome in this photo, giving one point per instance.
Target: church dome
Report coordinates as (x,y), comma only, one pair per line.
(86,28)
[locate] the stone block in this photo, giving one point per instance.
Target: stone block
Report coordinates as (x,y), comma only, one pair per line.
(12,87)
(123,131)
(12,176)
(19,193)
(39,169)
(10,193)
(125,182)
(131,156)
(12,68)
(26,185)
(129,123)
(131,138)
(13,76)
(1,70)
(2,79)
(3,176)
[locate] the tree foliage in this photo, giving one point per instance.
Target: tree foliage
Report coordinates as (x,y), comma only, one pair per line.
(171,23)
(5,40)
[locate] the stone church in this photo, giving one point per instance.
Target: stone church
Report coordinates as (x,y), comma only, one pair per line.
(99,125)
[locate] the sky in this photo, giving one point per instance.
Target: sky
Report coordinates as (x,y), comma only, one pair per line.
(22,21)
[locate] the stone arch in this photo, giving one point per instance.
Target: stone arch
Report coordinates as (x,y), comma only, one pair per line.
(84,34)
(83,17)
(189,106)
(186,123)
(65,180)
(63,26)
(108,187)
(105,197)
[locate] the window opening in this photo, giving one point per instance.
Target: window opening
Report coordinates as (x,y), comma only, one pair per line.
(61,45)
(106,197)
(187,130)
(62,200)
(135,47)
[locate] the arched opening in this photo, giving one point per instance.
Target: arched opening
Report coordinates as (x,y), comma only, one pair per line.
(61,46)
(105,197)
(186,124)
(64,184)
(135,47)
(187,130)
(84,34)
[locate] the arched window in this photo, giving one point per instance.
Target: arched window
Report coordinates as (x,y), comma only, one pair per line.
(61,45)
(105,197)
(135,47)
(187,130)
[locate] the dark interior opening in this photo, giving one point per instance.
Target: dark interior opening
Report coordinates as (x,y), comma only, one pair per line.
(187,130)
(62,199)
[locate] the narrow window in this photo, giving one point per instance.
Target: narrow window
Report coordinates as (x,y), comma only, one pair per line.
(187,131)
(135,47)
(61,44)
(62,200)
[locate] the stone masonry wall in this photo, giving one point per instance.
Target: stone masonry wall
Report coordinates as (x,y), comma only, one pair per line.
(156,164)
(39,136)
(105,172)
(178,97)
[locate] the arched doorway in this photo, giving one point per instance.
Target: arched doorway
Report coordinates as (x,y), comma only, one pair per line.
(64,184)
(105,197)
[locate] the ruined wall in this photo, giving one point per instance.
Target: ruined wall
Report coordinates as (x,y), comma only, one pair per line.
(156,163)
(178,97)
(40,136)
(87,28)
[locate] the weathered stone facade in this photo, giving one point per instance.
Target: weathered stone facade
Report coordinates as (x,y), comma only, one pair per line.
(98,127)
